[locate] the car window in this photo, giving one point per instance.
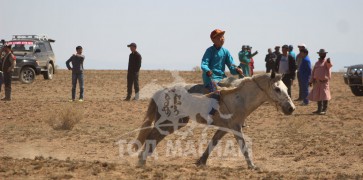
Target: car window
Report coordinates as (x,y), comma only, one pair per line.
(42,48)
(22,46)
(48,47)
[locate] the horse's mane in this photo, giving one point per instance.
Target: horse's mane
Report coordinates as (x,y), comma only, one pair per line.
(259,78)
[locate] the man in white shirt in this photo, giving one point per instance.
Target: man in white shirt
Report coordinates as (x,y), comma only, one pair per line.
(286,65)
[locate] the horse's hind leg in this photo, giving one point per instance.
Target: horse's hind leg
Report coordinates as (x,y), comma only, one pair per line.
(243,146)
(213,143)
(158,134)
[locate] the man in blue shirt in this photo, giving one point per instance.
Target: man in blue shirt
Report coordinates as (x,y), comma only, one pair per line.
(304,76)
(214,61)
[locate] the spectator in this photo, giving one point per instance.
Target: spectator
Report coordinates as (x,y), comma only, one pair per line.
(1,64)
(214,61)
(270,60)
(8,64)
(252,62)
(77,73)
(320,79)
(133,72)
(1,78)
(277,51)
(286,65)
(245,60)
(298,61)
(305,75)
(291,51)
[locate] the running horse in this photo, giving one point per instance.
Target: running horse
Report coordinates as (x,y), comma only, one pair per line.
(233,107)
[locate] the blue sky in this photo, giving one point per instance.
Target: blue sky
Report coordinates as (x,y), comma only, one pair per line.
(174,35)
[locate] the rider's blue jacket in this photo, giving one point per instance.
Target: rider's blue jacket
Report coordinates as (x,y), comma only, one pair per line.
(216,60)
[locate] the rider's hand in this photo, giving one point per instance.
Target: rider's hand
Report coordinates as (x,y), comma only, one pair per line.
(209,73)
(239,71)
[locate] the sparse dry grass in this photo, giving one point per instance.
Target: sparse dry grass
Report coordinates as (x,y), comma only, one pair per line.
(197,69)
(66,118)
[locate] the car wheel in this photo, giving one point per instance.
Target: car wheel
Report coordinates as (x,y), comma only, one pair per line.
(27,75)
(49,73)
(357,90)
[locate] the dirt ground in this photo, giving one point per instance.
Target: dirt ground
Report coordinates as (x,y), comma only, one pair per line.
(300,146)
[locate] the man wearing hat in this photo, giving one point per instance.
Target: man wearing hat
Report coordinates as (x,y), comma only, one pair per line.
(277,51)
(320,79)
(77,73)
(133,72)
(214,61)
(286,65)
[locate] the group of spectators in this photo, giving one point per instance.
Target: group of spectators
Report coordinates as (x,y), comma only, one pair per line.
(75,64)
(289,64)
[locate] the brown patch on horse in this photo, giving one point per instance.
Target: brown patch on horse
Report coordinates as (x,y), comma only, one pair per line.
(146,125)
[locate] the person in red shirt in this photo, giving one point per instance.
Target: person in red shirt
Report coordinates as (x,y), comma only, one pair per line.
(252,62)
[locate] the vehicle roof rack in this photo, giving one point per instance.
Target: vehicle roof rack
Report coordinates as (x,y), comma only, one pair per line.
(34,37)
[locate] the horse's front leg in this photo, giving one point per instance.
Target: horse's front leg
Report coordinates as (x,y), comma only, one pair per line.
(243,146)
(213,143)
(157,134)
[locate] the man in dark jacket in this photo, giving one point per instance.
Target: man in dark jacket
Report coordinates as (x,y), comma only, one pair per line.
(270,60)
(133,72)
(77,73)
(286,65)
(277,51)
(8,64)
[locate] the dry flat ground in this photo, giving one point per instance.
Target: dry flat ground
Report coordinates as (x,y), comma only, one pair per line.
(300,146)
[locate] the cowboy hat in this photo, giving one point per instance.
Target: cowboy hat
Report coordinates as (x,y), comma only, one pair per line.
(322,51)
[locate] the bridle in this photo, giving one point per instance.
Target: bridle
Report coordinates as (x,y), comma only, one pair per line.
(258,85)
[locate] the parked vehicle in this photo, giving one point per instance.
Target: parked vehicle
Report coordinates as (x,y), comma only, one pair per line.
(354,78)
(34,56)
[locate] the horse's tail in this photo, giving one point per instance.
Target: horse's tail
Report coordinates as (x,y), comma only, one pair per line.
(146,128)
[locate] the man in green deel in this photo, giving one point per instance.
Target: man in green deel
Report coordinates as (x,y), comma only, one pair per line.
(244,59)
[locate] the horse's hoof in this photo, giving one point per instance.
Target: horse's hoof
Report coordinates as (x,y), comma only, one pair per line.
(141,163)
(200,163)
(253,167)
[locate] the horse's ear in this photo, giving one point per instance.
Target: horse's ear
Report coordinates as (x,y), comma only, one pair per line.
(275,77)
(273,74)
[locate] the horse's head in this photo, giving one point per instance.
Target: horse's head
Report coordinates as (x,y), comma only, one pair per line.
(277,93)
